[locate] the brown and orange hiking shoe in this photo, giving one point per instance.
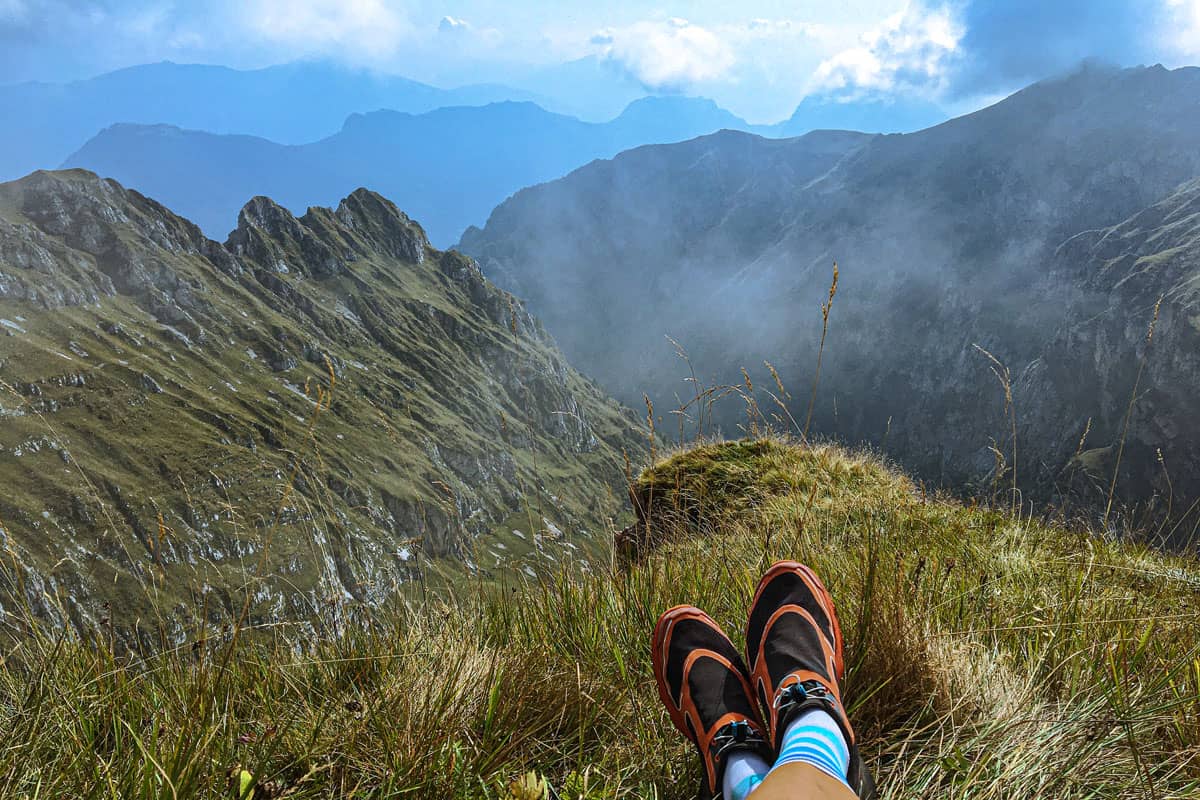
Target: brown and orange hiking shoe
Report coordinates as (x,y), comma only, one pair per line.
(702,682)
(794,650)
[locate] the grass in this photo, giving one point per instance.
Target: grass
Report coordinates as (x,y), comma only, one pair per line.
(990,656)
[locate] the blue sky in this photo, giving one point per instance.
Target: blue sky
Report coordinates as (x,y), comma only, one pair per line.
(758,58)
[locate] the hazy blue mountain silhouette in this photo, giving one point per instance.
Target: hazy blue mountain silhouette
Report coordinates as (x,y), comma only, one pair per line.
(450,166)
(290,103)
(590,88)
(870,115)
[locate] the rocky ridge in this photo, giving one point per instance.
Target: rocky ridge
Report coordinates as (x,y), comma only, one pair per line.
(325,401)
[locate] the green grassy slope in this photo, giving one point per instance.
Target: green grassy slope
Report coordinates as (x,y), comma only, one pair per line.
(327,403)
(990,657)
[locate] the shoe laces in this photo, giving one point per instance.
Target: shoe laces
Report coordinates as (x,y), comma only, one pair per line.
(800,693)
(737,735)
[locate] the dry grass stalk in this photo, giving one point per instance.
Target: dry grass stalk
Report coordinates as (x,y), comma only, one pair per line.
(826,307)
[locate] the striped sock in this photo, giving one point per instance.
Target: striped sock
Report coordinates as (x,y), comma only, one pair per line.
(743,772)
(814,738)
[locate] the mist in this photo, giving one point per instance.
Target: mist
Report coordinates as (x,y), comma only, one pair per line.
(949,243)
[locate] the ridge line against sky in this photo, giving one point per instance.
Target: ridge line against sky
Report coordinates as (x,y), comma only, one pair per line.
(758,58)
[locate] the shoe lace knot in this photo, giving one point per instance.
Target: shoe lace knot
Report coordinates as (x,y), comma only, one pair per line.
(736,735)
(801,693)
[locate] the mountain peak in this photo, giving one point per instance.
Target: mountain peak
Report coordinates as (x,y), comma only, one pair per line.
(389,230)
(72,181)
(323,240)
(80,203)
(662,110)
(167,362)
(271,235)
(263,212)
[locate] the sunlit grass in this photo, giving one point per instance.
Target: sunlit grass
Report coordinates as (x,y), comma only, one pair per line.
(990,656)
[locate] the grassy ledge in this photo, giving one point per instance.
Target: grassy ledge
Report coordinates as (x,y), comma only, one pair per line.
(991,656)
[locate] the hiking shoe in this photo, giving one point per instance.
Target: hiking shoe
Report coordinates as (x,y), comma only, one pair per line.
(702,682)
(794,649)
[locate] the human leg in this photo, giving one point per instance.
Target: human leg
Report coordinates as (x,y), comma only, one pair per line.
(798,781)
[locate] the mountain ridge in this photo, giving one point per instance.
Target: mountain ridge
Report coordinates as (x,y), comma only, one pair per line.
(451,165)
(160,388)
(294,102)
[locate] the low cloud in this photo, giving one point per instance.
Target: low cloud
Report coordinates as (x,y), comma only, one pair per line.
(953,49)
(913,50)
(1015,42)
(1183,26)
(667,55)
(57,39)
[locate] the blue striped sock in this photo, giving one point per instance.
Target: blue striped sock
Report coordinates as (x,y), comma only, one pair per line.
(743,772)
(814,738)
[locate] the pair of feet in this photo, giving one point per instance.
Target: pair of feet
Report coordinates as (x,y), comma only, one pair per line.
(794,663)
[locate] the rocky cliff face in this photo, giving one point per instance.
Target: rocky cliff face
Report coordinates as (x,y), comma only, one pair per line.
(323,406)
(947,238)
(1123,366)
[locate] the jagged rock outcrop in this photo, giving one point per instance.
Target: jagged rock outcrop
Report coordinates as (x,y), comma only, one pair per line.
(324,401)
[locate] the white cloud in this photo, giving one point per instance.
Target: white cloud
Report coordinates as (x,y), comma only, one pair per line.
(1183,35)
(670,54)
(912,50)
(469,38)
(453,25)
(761,27)
(355,30)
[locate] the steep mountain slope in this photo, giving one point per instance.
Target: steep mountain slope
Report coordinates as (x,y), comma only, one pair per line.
(326,402)
(450,167)
(290,103)
(647,243)
(1142,272)
(944,239)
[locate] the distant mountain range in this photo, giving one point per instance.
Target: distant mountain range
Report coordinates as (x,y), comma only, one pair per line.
(290,103)
(306,133)
(946,238)
(589,88)
(835,112)
(449,167)
(326,402)
(303,102)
